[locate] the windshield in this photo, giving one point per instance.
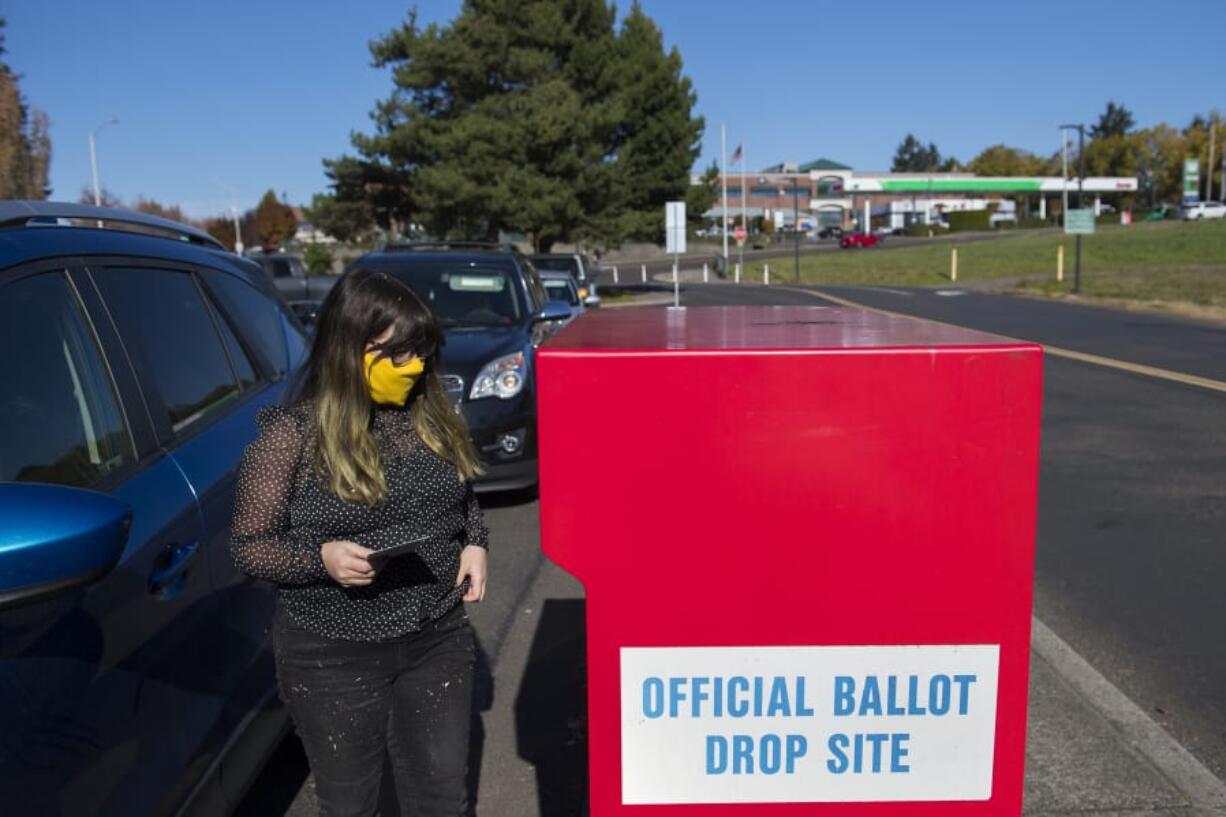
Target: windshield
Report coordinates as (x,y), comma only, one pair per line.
(464,293)
(566,263)
(560,290)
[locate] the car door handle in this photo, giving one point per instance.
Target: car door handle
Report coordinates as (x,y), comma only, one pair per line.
(170,570)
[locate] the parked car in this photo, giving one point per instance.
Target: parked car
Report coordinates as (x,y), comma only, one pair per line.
(135,671)
(560,286)
(579,266)
(289,276)
(830,232)
(858,240)
(1202,210)
(494,310)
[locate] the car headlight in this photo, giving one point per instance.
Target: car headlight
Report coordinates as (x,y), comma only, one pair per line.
(582,293)
(502,377)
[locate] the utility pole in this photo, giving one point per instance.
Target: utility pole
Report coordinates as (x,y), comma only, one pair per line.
(796,225)
(1212,132)
(1064,175)
(1081,175)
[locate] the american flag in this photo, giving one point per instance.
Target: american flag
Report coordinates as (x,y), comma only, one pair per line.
(736,155)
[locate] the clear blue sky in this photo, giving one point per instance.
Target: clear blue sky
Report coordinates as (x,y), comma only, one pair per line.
(254,94)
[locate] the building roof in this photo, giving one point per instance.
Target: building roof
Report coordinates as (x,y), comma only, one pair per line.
(823,164)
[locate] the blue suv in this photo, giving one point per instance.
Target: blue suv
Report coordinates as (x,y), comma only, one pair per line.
(135,675)
(494,311)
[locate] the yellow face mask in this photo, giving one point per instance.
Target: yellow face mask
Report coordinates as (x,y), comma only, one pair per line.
(390,384)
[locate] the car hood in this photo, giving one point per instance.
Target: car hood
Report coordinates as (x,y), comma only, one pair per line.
(466,350)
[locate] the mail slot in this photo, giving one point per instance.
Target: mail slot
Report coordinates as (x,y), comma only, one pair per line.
(806,537)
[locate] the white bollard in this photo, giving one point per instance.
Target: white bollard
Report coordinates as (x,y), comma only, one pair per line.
(704,272)
(644,273)
(615,275)
(766,274)
(738,273)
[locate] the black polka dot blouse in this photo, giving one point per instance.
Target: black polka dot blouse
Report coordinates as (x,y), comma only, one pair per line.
(283,513)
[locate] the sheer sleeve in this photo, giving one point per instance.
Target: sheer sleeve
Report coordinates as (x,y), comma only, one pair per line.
(263,543)
(475,531)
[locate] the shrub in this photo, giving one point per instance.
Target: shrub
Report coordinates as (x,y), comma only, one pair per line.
(318,259)
(920,230)
(960,220)
(1032,224)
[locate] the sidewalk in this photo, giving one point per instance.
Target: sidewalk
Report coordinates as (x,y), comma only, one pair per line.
(1089,750)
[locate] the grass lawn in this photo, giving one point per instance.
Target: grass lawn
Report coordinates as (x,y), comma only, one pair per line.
(1159,262)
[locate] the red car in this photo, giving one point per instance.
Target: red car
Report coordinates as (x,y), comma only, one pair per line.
(859,240)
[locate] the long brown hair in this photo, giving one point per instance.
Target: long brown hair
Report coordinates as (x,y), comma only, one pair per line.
(361,306)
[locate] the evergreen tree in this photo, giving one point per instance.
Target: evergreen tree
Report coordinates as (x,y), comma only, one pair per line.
(913,157)
(1115,121)
(525,115)
(25,142)
(703,196)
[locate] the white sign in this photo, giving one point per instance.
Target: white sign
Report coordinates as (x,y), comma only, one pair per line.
(807,724)
(674,227)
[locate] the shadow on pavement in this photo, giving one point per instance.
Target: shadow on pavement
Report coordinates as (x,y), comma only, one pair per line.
(551,710)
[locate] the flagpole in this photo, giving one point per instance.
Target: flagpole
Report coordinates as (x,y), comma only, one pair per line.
(744,210)
(723,180)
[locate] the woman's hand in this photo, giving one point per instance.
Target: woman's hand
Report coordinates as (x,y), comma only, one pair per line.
(349,563)
(473,566)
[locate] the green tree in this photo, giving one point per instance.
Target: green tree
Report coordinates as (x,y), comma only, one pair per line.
(25,141)
(656,138)
(317,258)
(1002,160)
(1115,121)
(344,219)
(525,115)
(912,156)
(274,220)
(701,197)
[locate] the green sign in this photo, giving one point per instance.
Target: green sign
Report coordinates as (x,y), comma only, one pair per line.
(1191,181)
(1079,222)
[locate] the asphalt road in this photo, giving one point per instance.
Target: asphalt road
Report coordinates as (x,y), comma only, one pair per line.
(1131,551)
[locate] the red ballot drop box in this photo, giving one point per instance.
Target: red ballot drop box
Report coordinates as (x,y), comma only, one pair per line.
(806,536)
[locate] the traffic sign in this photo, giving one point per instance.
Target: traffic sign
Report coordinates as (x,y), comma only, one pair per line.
(674,227)
(1079,222)
(740,234)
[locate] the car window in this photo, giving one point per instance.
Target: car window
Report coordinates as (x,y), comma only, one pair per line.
(257,316)
(563,263)
(560,289)
(535,287)
(60,419)
(279,267)
(163,315)
(464,293)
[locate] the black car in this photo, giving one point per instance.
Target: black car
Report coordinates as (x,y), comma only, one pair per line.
(494,312)
(135,669)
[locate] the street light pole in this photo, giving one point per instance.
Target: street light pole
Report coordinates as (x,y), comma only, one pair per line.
(93,158)
(1081,176)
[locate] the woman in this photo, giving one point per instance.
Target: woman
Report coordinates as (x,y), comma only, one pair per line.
(374,653)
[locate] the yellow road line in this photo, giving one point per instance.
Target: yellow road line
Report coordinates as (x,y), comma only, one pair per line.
(1056,351)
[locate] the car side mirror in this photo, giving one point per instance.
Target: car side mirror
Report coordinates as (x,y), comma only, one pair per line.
(55,539)
(554,311)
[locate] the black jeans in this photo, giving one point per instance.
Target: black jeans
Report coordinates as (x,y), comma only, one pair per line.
(410,697)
